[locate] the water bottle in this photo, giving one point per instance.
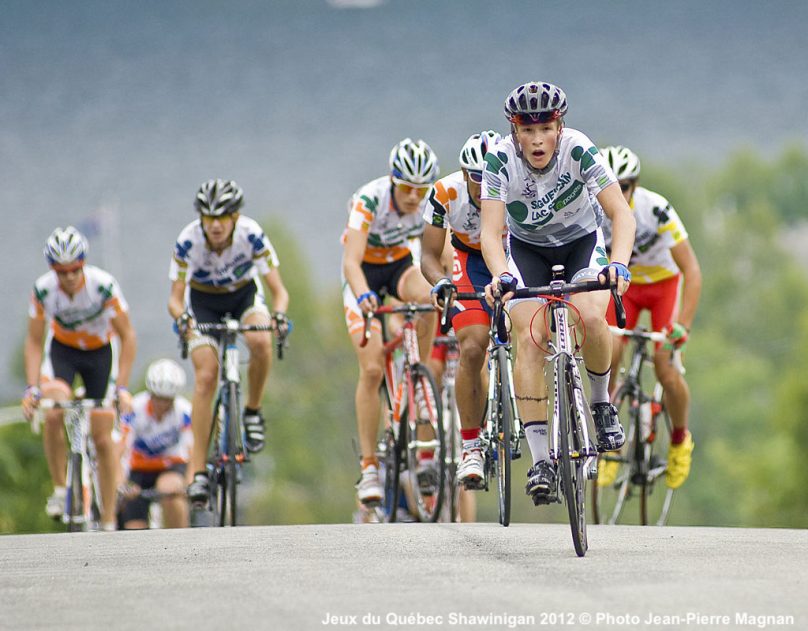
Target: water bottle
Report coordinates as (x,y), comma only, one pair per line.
(646,416)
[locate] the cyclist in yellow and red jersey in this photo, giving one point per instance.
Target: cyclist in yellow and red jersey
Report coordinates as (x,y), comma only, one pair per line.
(157,441)
(86,308)
(454,204)
(218,262)
(661,262)
(554,188)
(377,261)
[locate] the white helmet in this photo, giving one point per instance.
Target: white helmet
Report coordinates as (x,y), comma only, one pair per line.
(165,378)
(216,198)
(624,162)
(414,162)
(472,155)
(535,102)
(65,246)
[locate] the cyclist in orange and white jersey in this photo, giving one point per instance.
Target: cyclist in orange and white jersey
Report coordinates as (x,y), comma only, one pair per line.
(554,188)
(85,308)
(454,204)
(377,261)
(662,261)
(157,438)
(218,261)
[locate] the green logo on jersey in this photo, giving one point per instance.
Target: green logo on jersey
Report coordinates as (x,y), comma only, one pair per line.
(40,294)
(518,211)
(371,203)
(568,196)
(603,180)
(585,158)
(496,163)
(602,259)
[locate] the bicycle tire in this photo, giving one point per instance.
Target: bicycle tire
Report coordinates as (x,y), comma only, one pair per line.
(655,508)
(392,457)
(228,482)
(74,501)
(573,478)
(608,502)
(453,492)
(427,506)
(502,430)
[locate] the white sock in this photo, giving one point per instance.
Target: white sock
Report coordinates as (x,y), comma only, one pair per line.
(109,526)
(599,392)
(538,440)
(60,491)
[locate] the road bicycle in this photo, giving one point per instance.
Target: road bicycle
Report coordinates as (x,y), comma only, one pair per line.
(643,461)
(226,451)
(412,448)
(502,431)
(572,453)
(83,506)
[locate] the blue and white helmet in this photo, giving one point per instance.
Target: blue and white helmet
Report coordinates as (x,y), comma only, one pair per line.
(65,246)
(216,198)
(472,155)
(414,162)
(624,162)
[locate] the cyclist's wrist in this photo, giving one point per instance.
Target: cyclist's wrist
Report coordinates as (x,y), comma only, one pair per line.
(366,296)
(33,392)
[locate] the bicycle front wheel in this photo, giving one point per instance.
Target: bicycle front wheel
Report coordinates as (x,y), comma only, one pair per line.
(234,451)
(503,422)
(426,446)
(571,460)
(74,502)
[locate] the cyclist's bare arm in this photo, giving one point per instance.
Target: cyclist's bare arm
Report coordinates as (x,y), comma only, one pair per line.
(356,243)
(176,299)
(33,361)
(126,332)
(280,297)
(433,244)
(492,215)
(623,228)
(685,259)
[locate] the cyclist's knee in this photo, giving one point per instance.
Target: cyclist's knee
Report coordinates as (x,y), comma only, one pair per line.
(261,348)
(56,389)
(371,372)
(205,380)
(102,439)
(472,352)
(170,482)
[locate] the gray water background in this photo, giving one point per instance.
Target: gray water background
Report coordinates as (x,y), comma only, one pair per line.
(126,107)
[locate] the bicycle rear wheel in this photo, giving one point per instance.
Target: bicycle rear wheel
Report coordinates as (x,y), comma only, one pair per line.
(573,477)
(608,501)
(655,496)
(425,446)
(233,450)
(503,422)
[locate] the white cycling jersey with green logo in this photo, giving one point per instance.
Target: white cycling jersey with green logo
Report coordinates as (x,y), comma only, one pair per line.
(554,206)
(658,230)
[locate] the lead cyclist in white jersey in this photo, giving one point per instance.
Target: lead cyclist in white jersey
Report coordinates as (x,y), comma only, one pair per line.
(215,271)
(553,186)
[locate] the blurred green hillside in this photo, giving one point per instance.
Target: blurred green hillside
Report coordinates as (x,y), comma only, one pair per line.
(746,366)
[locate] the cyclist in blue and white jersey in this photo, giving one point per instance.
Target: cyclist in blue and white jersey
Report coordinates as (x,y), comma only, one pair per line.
(215,271)
(553,187)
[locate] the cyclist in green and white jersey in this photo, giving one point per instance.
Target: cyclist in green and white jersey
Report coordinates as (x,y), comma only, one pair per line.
(384,215)
(553,187)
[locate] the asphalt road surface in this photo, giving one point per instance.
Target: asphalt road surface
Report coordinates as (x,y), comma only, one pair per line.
(406,576)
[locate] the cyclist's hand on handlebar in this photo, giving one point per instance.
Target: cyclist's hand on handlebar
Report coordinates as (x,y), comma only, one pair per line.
(677,337)
(502,286)
(30,401)
(184,325)
(615,273)
(124,400)
(280,323)
(441,290)
(129,490)
(369,301)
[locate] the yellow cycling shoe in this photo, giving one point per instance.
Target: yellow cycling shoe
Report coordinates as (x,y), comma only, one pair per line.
(679,458)
(607,472)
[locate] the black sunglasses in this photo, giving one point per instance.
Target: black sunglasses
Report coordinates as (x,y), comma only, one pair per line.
(624,186)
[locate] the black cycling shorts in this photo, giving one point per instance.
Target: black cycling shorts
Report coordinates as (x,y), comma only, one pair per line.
(211,308)
(93,366)
(138,508)
(383,278)
(535,263)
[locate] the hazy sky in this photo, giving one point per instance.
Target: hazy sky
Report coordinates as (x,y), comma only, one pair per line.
(132,105)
